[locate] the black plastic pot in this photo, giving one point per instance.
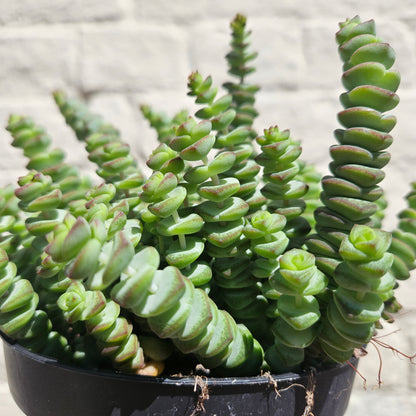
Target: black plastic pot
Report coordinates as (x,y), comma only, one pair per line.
(41,386)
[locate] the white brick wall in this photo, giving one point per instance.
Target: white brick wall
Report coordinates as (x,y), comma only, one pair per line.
(120,53)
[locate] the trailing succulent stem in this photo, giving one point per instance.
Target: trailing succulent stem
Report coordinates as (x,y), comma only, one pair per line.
(177,310)
(112,332)
(21,320)
(35,143)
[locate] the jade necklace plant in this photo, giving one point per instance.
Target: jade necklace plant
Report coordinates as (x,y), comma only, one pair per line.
(233,253)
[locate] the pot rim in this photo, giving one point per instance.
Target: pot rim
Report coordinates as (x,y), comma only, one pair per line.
(267,378)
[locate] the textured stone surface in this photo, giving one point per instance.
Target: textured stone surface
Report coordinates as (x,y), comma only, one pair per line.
(118,54)
(23,12)
(132,59)
(36,61)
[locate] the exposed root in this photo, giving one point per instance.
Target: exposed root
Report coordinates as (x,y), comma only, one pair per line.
(359,352)
(200,385)
(310,390)
(377,343)
(310,394)
(272,382)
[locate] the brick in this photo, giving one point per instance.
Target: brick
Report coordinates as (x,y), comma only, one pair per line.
(24,12)
(279,48)
(132,59)
(181,11)
(323,68)
(282,9)
(36,62)
(402,40)
(369,9)
(209,43)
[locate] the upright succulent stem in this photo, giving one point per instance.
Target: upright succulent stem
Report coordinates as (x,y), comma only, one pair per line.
(105,147)
(239,59)
(364,284)
(350,194)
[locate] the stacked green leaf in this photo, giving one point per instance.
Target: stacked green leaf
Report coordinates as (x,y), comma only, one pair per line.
(105,147)
(175,309)
(298,280)
(230,193)
(87,252)
(309,175)
(40,199)
(163,217)
(35,143)
(19,317)
(162,124)
(80,118)
(103,321)
(279,154)
(239,58)
(221,211)
(12,228)
(243,279)
(350,194)
(217,110)
(403,244)
(364,284)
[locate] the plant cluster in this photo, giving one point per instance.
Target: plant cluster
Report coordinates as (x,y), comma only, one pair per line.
(233,253)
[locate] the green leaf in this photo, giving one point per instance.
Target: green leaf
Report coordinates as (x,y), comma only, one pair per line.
(198,150)
(168,324)
(221,191)
(231,210)
(168,286)
(186,225)
(371,73)
(18,295)
(365,310)
(180,257)
(366,117)
(223,235)
(173,200)
(370,139)
(292,337)
(374,52)
(199,273)
(370,96)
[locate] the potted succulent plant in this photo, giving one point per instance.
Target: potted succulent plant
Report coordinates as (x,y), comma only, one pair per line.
(234,261)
